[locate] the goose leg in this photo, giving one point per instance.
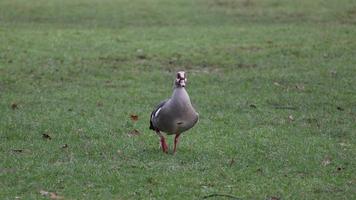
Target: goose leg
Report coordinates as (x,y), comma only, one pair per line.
(164,145)
(176,140)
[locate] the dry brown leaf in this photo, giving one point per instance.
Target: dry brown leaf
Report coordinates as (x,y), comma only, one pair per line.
(134,133)
(54,195)
(134,117)
(51,195)
(340,108)
(14,106)
(99,104)
(46,136)
(253,106)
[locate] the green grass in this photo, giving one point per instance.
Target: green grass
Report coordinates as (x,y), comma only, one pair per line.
(273,82)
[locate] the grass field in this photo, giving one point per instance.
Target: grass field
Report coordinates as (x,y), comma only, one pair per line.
(273,81)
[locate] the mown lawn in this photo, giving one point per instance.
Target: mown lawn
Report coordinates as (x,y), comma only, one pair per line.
(273,81)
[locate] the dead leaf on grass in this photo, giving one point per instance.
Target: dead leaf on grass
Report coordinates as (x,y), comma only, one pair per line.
(46,136)
(44,193)
(277,84)
(14,105)
(340,108)
(300,87)
(54,195)
(134,117)
(253,106)
(134,132)
(51,195)
(290,118)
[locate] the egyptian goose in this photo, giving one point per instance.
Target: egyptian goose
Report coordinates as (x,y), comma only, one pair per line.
(175,115)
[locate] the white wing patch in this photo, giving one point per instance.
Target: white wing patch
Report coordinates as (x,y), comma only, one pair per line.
(156,113)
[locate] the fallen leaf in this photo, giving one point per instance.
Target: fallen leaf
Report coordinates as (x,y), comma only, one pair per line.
(277,84)
(253,106)
(134,117)
(46,136)
(291,118)
(300,87)
(54,195)
(134,133)
(99,104)
(340,108)
(51,195)
(64,146)
(326,161)
(14,106)
(44,193)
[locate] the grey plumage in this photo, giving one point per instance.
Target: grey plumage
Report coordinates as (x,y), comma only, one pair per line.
(176,114)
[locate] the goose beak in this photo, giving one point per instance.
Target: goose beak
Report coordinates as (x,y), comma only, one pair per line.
(182,83)
(181,79)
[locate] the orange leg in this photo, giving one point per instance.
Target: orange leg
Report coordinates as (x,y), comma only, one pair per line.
(176,140)
(164,145)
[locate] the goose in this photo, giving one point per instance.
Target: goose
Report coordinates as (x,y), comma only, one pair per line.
(174,115)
